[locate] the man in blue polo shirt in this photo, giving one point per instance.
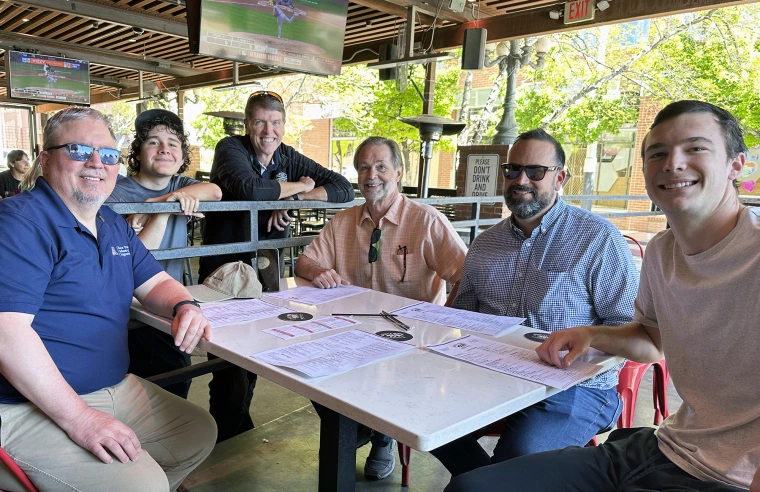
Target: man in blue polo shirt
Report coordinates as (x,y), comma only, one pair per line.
(70,269)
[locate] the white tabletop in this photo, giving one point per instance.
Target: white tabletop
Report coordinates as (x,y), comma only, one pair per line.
(420,398)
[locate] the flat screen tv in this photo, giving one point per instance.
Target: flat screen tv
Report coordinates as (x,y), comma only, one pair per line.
(47,78)
(296,35)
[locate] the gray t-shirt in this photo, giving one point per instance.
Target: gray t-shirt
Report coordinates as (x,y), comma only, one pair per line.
(129,190)
(706,309)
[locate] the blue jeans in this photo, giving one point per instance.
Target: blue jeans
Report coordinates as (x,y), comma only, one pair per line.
(629,461)
(569,418)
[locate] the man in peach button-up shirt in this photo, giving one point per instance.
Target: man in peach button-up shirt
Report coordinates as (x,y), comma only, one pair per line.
(390,244)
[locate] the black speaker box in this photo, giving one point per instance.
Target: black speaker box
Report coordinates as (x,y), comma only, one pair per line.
(473,49)
(388,52)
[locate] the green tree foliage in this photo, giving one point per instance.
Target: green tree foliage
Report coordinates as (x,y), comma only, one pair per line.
(373,107)
(594,78)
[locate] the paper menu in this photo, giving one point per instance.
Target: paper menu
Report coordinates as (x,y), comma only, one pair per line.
(515,361)
(313,296)
(333,354)
(310,327)
(487,324)
(240,311)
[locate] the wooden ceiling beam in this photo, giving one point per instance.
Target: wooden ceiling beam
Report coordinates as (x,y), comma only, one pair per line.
(430,8)
(124,15)
(395,9)
(98,56)
(538,22)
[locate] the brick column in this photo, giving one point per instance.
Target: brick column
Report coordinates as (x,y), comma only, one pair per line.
(648,109)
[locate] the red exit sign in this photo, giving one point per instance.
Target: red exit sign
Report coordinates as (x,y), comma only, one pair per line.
(579,11)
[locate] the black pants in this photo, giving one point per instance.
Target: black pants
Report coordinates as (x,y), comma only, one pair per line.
(630,460)
(376,438)
(153,352)
(230,393)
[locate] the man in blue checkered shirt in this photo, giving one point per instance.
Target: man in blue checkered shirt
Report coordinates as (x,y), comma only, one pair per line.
(559,266)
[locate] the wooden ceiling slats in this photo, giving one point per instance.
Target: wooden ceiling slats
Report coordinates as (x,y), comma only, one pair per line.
(62,29)
(368,24)
(37,21)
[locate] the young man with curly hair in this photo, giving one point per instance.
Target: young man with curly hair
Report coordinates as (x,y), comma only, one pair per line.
(157,157)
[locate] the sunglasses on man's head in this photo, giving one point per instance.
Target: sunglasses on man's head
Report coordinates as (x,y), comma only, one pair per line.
(83,153)
(265,94)
(373,245)
(534,173)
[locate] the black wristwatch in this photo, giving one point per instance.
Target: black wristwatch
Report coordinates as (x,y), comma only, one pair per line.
(295,197)
(182,303)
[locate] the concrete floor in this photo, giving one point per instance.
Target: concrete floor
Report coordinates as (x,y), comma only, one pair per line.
(280,454)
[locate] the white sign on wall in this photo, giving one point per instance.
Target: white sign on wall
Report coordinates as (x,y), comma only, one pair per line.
(482,175)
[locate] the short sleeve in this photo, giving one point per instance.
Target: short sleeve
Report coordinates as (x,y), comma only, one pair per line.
(447,253)
(322,248)
(26,260)
(144,266)
(644,312)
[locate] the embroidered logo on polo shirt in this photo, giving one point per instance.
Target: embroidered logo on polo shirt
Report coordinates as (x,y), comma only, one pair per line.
(120,251)
(281,176)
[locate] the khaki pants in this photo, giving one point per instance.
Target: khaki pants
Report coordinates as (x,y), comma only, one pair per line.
(175,435)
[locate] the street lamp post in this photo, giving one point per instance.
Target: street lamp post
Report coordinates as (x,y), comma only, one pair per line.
(512,59)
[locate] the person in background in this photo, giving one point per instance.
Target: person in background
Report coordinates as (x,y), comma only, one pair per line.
(18,165)
(158,156)
(257,166)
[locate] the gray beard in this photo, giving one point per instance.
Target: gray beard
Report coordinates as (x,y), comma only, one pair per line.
(525,209)
(88,200)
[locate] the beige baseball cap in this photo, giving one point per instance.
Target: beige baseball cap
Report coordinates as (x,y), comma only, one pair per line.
(231,280)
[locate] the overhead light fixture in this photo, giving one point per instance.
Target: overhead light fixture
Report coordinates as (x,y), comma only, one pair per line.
(555,14)
(236,81)
(603,5)
(543,45)
(24,20)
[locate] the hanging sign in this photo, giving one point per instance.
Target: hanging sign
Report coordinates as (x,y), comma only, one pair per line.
(579,11)
(482,175)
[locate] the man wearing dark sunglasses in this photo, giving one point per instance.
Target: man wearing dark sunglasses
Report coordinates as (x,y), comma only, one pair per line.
(558,266)
(70,270)
(158,156)
(397,246)
(257,166)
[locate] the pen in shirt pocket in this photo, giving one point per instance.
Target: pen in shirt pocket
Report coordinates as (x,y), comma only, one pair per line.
(402,250)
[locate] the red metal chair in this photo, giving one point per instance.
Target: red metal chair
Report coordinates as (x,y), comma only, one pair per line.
(16,470)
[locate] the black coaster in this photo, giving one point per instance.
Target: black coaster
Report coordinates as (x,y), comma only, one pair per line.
(537,336)
(398,336)
(295,316)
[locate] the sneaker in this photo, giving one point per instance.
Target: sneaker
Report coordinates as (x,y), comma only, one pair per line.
(380,462)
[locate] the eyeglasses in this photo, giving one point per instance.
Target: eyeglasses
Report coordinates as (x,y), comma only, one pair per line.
(264,94)
(83,153)
(534,173)
(374,247)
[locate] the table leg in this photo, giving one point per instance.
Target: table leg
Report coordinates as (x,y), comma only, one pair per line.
(337,453)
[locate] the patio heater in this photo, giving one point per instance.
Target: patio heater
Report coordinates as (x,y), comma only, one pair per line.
(431,128)
(231,120)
